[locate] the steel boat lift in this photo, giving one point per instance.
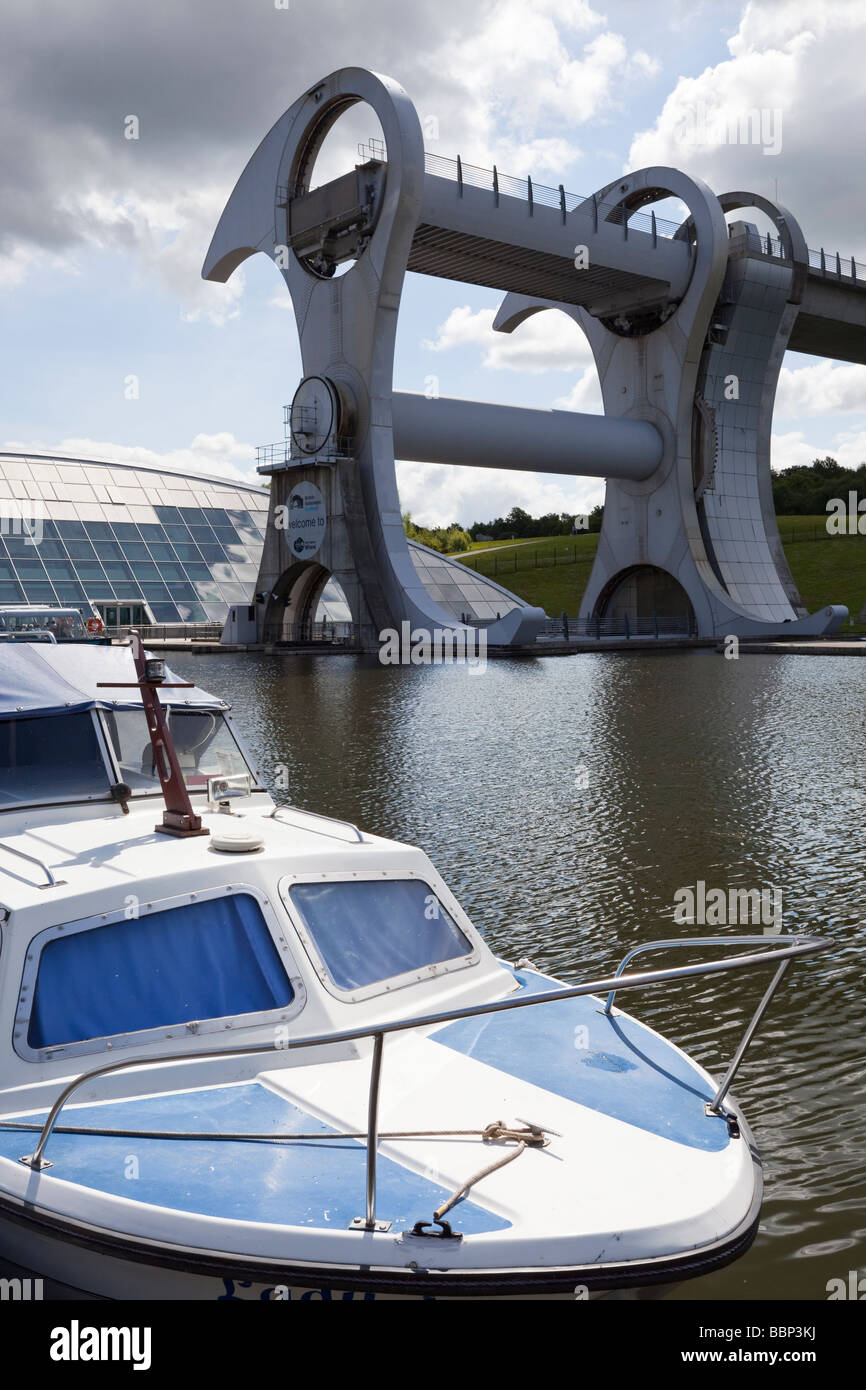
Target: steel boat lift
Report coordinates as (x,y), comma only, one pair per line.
(688,326)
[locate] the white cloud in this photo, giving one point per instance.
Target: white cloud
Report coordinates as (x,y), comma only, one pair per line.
(220,455)
(15,265)
(531,66)
(794,87)
(824,388)
(161,235)
(505,80)
(645,63)
(545,342)
(585,395)
(437,494)
(177,263)
(792,449)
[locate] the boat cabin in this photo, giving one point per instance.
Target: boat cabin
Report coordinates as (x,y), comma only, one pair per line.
(119,937)
(33,623)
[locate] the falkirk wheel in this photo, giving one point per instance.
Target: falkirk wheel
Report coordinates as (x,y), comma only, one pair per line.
(687,329)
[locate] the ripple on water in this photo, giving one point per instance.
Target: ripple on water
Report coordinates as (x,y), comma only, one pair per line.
(565,801)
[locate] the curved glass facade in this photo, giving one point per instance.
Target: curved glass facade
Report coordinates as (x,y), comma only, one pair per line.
(460,591)
(76,531)
(143,545)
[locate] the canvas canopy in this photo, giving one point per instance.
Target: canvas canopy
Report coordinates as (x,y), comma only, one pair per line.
(42,679)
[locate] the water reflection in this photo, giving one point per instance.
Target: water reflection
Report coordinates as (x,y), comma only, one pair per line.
(566,800)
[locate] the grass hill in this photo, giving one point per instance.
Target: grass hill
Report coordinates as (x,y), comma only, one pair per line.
(552,571)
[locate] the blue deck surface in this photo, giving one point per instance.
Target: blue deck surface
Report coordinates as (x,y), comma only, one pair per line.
(317,1182)
(611,1065)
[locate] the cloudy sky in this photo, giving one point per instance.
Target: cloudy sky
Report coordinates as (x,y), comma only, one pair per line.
(102,237)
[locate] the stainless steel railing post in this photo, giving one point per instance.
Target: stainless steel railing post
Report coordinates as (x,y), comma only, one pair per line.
(715,1104)
(31,859)
(373,1128)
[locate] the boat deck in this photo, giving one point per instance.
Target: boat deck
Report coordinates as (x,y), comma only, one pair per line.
(310,1182)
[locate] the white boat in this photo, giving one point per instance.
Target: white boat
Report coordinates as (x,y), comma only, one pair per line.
(42,622)
(267,1054)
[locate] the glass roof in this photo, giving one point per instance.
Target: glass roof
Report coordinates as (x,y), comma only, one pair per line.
(75,531)
(460,591)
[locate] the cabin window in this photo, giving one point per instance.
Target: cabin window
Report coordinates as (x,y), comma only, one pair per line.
(366,931)
(205,959)
(54,758)
(202,739)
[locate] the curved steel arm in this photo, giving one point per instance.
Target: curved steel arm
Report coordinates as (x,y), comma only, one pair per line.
(715,1105)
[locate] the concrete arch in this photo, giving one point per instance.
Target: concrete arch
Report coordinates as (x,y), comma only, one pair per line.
(645,592)
(652,376)
(797,253)
(291,606)
(786,224)
(250,221)
(673,376)
(619,199)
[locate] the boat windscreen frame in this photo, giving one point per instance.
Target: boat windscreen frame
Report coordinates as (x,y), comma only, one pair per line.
(189,1029)
(111,772)
(393,982)
(142,793)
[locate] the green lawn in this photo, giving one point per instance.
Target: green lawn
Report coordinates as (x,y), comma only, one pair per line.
(801,525)
(485,545)
(830,571)
(552,571)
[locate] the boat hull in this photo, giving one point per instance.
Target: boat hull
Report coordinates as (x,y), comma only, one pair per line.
(83,1261)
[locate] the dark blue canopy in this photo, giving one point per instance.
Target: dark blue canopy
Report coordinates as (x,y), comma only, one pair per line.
(48,678)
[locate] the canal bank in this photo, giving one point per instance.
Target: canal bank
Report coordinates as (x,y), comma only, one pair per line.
(531,649)
(826,646)
(547,647)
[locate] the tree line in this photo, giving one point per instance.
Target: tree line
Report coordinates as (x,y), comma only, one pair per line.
(445,539)
(805,489)
(519,525)
(802,490)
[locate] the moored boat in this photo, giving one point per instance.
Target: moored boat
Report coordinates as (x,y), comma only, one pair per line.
(35,622)
(253,1052)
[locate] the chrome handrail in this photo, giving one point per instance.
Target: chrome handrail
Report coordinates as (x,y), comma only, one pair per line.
(685,941)
(714,1106)
(31,858)
(332,820)
(799,946)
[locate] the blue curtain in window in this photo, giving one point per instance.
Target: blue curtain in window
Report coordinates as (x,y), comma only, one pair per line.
(202,960)
(370,931)
(49,757)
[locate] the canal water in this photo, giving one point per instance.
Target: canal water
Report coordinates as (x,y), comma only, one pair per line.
(567,800)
